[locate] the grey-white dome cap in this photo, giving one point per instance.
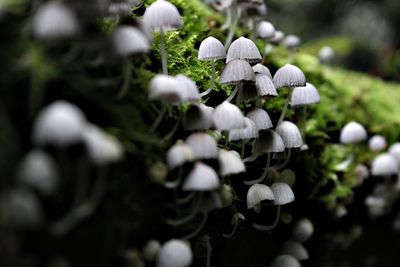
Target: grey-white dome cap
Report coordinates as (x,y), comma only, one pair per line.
(283,193)
(260,117)
(227,117)
(175,253)
(384,165)
(290,134)
(303,230)
(245,49)
(211,49)
(151,250)
(201,178)
(189,87)
(128,40)
(261,69)
(278,37)
(265,30)
(291,41)
(163,15)
(39,170)
(60,123)
(258,193)
(377,143)
(235,71)
(289,76)
(178,154)
(198,117)
(268,141)
(265,86)
(54,20)
(295,249)
(285,261)
(230,162)
(326,54)
(305,95)
(394,150)
(249,132)
(203,146)
(167,89)
(353,132)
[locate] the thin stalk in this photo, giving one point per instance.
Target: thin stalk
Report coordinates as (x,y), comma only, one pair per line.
(242,151)
(235,91)
(235,226)
(190,216)
(261,227)
(174,129)
(159,119)
(264,174)
(229,18)
(281,166)
(208,249)
(198,229)
(236,18)
(285,107)
(126,70)
(186,199)
(251,158)
(163,53)
(214,74)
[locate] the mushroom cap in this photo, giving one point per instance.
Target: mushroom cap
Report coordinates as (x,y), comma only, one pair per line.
(189,87)
(245,49)
(122,8)
(167,89)
(201,178)
(265,86)
(151,250)
(283,193)
(260,117)
(221,5)
(60,123)
(258,193)
(278,37)
(268,141)
(265,30)
(128,40)
(198,117)
(285,261)
(295,249)
(54,20)
(305,95)
(230,162)
(178,154)
(303,230)
(288,177)
(394,150)
(175,253)
(102,148)
(326,53)
(377,143)
(249,132)
(261,69)
(211,49)
(203,146)
(353,132)
(38,170)
(162,15)
(227,117)
(291,41)
(384,165)
(290,134)
(289,76)
(235,71)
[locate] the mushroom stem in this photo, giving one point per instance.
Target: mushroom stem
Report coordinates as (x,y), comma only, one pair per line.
(190,216)
(285,107)
(242,150)
(126,70)
(261,227)
(85,209)
(198,229)
(186,199)
(288,156)
(208,249)
(163,53)
(214,74)
(235,91)
(159,119)
(235,226)
(236,17)
(264,174)
(251,158)
(228,21)
(174,129)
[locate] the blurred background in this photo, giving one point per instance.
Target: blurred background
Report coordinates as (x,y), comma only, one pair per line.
(364,34)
